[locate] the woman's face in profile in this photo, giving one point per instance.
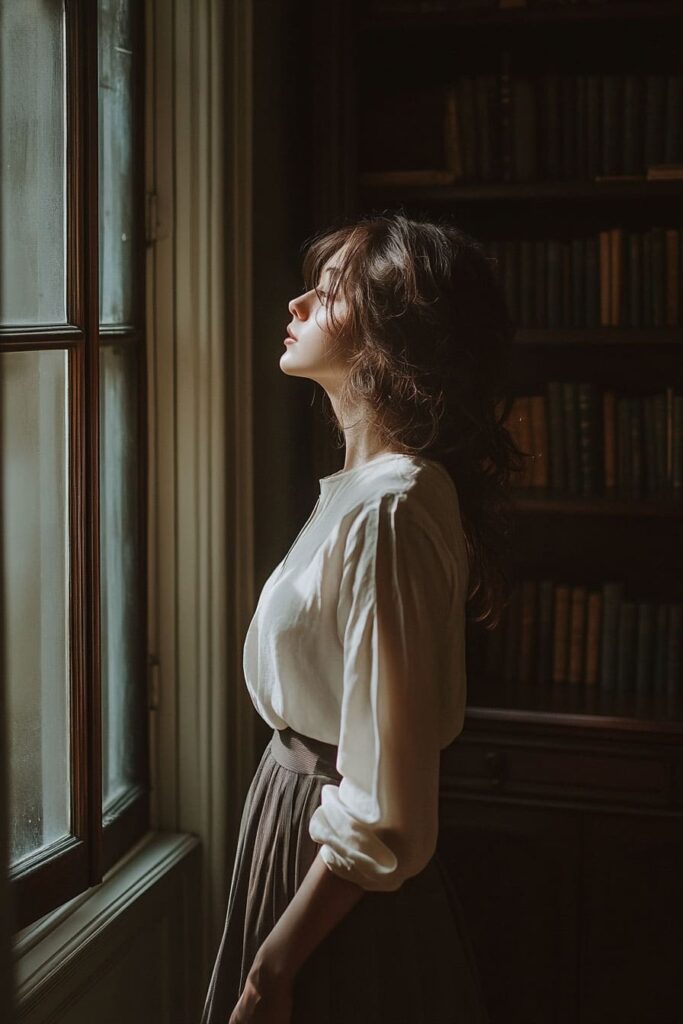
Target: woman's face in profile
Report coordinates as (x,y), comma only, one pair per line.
(310,349)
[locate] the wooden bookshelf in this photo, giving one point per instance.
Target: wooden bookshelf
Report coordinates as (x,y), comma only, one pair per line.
(557,799)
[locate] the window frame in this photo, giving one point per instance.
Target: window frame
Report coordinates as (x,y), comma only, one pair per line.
(68,867)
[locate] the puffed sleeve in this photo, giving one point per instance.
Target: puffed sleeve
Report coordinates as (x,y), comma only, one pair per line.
(379,826)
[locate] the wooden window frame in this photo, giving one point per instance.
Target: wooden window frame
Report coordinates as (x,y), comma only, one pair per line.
(71,865)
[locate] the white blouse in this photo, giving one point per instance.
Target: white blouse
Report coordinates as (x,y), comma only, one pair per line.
(358,640)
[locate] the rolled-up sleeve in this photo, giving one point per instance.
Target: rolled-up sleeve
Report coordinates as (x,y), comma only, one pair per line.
(379,826)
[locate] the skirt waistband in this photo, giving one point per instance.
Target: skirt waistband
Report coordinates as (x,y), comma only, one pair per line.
(304,754)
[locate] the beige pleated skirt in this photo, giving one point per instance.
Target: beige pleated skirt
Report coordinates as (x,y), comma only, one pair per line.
(398,957)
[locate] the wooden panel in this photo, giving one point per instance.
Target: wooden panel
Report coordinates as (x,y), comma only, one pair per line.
(569,773)
(516,872)
(632,933)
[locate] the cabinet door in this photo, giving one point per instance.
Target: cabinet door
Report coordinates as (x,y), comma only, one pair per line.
(632,933)
(516,872)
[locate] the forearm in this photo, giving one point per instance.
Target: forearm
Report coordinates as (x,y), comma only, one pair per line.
(322,900)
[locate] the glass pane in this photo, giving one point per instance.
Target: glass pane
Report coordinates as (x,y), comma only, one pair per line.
(33,166)
(35,518)
(123,703)
(116,161)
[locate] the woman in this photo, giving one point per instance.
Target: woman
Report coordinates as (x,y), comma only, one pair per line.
(339,909)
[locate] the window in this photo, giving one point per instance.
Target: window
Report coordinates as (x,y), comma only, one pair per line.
(72,437)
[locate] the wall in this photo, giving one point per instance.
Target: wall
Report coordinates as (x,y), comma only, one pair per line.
(285,487)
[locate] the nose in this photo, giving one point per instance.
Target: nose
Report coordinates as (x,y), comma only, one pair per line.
(297,307)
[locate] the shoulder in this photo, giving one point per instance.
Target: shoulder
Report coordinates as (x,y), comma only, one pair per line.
(415,502)
(409,489)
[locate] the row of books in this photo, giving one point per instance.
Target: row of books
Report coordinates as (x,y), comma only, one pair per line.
(616,278)
(593,636)
(582,442)
(507,125)
(514,127)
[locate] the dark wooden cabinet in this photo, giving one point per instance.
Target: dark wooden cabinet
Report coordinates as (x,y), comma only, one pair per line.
(565,845)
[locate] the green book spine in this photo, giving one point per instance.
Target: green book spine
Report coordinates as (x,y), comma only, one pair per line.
(590,439)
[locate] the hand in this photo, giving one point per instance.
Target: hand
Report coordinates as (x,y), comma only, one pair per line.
(264,1002)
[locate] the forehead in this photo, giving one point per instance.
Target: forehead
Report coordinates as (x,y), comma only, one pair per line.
(332,263)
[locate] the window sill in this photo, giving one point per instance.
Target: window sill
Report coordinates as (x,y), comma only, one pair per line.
(51,948)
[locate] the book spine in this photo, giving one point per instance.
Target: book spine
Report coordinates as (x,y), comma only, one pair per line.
(556,435)
(593,627)
(578,294)
(505,103)
(635,291)
(544,660)
(577,630)
(571,435)
(611,600)
(645,647)
(561,633)
(674,651)
(673,274)
(626,651)
(609,448)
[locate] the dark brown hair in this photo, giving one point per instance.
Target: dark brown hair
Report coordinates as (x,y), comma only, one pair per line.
(428,339)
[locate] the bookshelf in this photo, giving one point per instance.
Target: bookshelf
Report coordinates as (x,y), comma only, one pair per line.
(562,802)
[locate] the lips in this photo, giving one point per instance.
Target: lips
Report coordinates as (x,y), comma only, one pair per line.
(290,335)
